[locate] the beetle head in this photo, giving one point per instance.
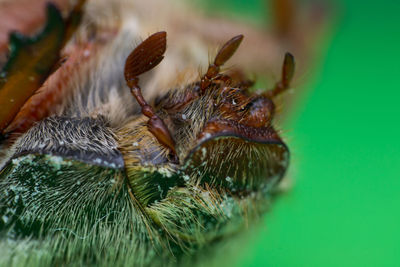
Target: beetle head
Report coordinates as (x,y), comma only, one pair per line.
(225,151)
(224,137)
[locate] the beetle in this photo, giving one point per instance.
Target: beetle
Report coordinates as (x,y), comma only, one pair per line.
(113,177)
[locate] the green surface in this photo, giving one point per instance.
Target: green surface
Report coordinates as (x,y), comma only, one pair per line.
(344,208)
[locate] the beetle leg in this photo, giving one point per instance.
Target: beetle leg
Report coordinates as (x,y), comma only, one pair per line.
(224,54)
(287,75)
(143,58)
(32,59)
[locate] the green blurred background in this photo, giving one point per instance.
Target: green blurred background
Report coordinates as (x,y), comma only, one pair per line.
(343,209)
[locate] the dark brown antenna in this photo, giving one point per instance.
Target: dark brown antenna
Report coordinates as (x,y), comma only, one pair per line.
(224,54)
(287,75)
(143,58)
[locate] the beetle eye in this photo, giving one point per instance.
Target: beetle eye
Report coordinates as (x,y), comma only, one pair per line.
(247,107)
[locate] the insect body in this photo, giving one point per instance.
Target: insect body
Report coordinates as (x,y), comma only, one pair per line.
(167,180)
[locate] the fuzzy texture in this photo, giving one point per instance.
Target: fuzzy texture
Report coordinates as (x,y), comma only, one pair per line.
(59,211)
(88,140)
(135,206)
(63,212)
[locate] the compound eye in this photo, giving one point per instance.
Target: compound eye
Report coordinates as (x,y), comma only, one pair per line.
(260,112)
